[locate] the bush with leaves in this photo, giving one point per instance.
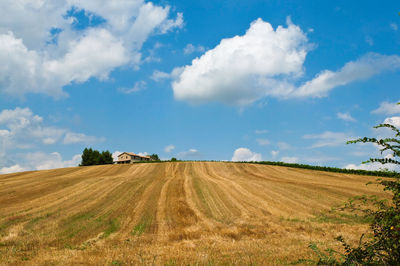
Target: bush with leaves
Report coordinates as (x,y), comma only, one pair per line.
(384,246)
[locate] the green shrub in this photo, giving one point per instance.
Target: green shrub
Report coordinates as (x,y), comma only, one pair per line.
(383,247)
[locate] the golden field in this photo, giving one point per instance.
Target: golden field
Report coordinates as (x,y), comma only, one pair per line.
(197,213)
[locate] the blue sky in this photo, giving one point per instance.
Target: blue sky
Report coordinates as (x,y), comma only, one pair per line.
(197,80)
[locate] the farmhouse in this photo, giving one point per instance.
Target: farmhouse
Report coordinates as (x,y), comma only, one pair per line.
(129,157)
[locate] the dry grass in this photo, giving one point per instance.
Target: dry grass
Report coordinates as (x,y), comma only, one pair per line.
(173,214)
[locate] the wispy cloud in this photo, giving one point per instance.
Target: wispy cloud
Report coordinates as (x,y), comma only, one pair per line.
(288,159)
(191,153)
(388,108)
(159,75)
(190,48)
(169,148)
(261,131)
(138,86)
(328,139)
(345,117)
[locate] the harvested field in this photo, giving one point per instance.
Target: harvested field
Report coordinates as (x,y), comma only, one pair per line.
(174,213)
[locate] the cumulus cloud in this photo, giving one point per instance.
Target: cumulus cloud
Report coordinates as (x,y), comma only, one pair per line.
(345,117)
(41,50)
(41,161)
(245,154)
(231,72)
(13,169)
(328,139)
(266,62)
(169,148)
(190,48)
(388,108)
(21,129)
(395,121)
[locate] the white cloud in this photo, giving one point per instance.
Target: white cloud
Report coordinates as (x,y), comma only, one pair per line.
(290,159)
(266,62)
(35,60)
(345,117)
(20,128)
(115,155)
(274,154)
(169,148)
(387,108)
(41,161)
(171,24)
(139,85)
(375,166)
(71,138)
(93,55)
(12,169)
(159,75)
(261,131)
(190,48)
(395,121)
(143,154)
(394,26)
(328,139)
(189,154)
(263,141)
(245,154)
(233,72)
(364,68)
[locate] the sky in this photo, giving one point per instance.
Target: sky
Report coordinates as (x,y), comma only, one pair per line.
(252,80)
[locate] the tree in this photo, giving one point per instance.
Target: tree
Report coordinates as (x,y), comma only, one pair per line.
(154,157)
(173,159)
(384,246)
(106,157)
(85,157)
(94,157)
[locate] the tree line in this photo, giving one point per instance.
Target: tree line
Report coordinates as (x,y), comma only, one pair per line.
(95,157)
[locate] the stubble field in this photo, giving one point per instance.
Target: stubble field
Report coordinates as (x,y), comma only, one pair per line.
(198,213)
